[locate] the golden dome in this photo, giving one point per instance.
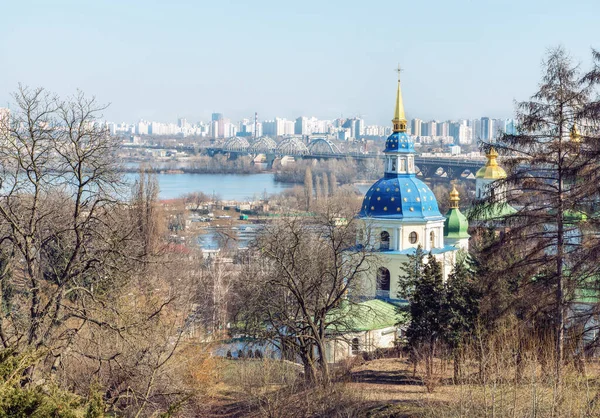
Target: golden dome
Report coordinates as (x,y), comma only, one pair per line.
(491,170)
(454,197)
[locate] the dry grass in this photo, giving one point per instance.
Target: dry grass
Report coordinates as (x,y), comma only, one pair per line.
(386,388)
(389,383)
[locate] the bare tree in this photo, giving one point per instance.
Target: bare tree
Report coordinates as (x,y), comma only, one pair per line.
(302,274)
(308,188)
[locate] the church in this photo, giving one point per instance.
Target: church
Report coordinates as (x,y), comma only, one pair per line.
(400,213)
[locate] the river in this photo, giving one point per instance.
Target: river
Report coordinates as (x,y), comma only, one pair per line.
(228,186)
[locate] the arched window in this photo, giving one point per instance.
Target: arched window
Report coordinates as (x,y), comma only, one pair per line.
(355,346)
(432,239)
(384,244)
(383,279)
(413,237)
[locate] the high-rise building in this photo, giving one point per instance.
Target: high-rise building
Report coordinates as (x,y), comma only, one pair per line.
(301,126)
(269,128)
(141,128)
(443,129)
(461,133)
(498,128)
(356,126)
(510,127)
(475,125)
(415,127)
(486,128)
(429,128)
(217,116)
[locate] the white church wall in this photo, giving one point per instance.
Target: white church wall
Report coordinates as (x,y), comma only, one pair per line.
(340,347)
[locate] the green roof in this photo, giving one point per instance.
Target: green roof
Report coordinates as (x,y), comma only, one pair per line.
(494,212)
(456,224)
(574,216)
(365,316)
(586,295)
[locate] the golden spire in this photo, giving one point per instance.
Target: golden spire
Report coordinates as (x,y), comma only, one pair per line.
(454,198)
(575,135)
(399,117)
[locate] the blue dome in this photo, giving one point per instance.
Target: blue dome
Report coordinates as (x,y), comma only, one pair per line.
(399,142)
(401,197)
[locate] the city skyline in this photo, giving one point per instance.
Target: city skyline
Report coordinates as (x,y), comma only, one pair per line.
(458,132)
(163,61)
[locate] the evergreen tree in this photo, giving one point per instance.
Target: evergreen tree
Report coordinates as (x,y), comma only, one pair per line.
(423,285)
(462,308)
(553,151)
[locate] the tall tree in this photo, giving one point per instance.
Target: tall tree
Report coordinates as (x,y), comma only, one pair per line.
(60,217)
(319,190)
(303,273)
(333,183)
(423,285)
(308,188)
(552,179)
(462,309)
(325,186)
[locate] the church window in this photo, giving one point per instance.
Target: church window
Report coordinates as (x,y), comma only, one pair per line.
(413,237)
(394,165)
(384,243)
(432,239)
(355,346)
(383,279)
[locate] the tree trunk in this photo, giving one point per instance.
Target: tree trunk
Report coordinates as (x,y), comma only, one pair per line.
(457,374)
(560,319)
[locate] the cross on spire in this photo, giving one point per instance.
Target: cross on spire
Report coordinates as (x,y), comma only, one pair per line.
(399,70)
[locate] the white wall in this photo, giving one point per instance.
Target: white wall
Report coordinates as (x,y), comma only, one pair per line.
(340,348)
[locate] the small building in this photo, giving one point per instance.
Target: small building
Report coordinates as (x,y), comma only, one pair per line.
(362,327)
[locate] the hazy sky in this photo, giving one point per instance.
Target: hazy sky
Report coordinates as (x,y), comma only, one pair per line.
(162,59)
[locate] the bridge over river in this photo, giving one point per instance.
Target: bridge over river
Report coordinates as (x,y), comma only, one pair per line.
(441,168)
(322,148)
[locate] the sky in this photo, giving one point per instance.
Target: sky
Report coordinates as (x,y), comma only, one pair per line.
(160,60)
